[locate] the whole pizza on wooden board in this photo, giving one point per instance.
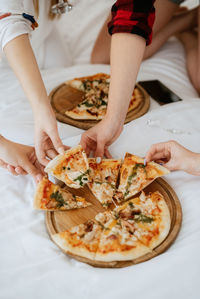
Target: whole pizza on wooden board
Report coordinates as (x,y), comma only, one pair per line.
(95,100)
(130,230)
(82,102)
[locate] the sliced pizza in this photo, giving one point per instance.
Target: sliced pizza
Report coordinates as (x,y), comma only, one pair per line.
(103,178)
(51,197)
(147,217)
(71,167)
(135,176)
(94,102)
(81,240)
(116,242)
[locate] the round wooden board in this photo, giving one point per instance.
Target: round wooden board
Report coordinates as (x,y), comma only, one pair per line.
(60,221)
(62,99)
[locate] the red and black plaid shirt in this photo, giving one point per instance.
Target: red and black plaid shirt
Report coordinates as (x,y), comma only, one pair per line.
(133,16)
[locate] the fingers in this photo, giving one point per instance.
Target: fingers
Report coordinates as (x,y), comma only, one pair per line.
(157,151)
(51,153)
(88,144)
(11,169)
(100,148)
(19,170)
(32,170)
(57,143)
(66,147)
(107,154)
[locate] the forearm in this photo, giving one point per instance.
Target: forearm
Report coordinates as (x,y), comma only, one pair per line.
(22,60)
(127,51)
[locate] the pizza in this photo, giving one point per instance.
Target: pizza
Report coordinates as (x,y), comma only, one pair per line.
(51,197)
(126,233)
(130,230)
(95,100)
(135,176)
(103,178)
(71,167)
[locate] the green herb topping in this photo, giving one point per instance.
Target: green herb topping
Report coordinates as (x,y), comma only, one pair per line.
(102,226)
(59,198)
(132,175)
(143,218)
(131,205)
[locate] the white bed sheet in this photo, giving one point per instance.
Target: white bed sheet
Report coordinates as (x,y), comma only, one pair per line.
(32,266)
(35,267)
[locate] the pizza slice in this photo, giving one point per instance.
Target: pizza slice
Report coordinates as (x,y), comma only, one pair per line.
(71,167)
(51,197)
(135,176)
(116,242)
(103,178)
(81,240)
(147,217)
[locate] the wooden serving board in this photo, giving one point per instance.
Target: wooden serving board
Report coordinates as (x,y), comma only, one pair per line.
(62,98)
(60,221)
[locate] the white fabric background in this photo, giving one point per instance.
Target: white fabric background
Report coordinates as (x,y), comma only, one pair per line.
(31,266)
(36,267)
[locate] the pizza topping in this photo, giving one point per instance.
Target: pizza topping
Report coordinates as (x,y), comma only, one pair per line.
(133,174)
(143,218)
(89,226)
(83,178)
(129,226)
(59,198)
(112,237)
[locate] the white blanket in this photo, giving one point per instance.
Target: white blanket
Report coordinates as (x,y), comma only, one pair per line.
(31,266)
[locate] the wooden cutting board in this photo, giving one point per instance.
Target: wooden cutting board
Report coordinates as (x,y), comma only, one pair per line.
(60,221)
(64,98)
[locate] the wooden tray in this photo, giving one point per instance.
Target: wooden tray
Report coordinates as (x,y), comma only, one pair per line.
(60,221)
(61,101)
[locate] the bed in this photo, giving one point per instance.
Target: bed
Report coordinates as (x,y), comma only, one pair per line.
(31,266)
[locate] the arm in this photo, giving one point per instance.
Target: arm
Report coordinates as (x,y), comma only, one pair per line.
(127,50)
(22,60)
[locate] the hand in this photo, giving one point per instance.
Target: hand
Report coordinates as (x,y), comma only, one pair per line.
(100,137)
(47,141)
(19,159)
(174,157)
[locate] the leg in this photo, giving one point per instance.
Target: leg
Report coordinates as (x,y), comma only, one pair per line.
(169,26)
(101,51)
(191,44)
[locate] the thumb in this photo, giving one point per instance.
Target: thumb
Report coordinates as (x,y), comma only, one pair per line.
(32,170)
(57,143)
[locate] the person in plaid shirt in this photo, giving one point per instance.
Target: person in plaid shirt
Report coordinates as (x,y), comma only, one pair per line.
(130,31)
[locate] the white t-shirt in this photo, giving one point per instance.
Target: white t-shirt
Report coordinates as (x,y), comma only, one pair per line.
(62,42)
